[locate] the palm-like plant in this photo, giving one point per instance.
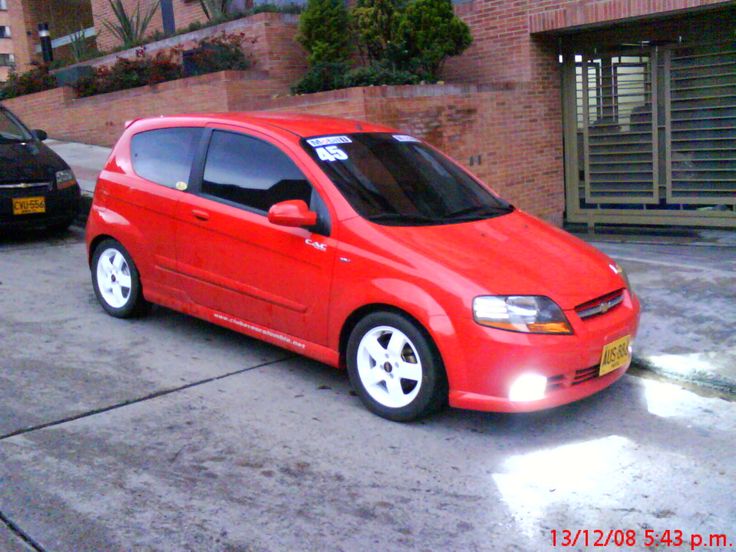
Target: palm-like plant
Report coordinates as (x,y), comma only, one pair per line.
(215,9)
(130,28)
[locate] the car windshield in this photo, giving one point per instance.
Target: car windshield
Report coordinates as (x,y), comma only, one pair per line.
(11,130)
(396,180)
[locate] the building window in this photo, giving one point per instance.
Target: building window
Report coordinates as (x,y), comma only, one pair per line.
(4,31)
(7,60)
(3,5)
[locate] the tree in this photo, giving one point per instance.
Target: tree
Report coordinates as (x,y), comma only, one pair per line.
(376,24)
(430,32)
(323,31)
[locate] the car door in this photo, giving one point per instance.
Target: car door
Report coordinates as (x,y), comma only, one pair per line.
(233,259)
(161,161)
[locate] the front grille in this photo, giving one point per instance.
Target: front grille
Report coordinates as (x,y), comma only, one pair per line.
(601,305)
(24,189)
(585,374)
(569,379)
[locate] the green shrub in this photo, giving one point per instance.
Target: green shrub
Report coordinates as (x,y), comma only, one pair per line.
(130,29)
(321,77)
(215,9)
(376,24)
(377,74)
(275,8)
(130,73)
(37,79)
(430,32)
(218,53)
(324,32)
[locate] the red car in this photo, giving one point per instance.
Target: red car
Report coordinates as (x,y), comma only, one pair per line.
(360,247)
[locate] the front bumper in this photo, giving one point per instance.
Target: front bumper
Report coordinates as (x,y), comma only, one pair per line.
(482,363)
(61,207)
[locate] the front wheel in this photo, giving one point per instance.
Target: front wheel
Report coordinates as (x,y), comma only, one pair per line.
(395,368)
(116,281)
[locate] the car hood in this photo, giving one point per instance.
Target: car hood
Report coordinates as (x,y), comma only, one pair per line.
(28,162)
(514,254)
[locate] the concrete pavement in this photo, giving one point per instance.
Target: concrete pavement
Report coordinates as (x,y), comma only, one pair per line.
(686,280)
(168,433)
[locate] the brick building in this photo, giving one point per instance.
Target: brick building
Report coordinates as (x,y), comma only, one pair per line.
(7,50)
(613,111)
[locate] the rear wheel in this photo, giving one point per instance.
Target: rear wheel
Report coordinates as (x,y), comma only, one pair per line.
(116,281)
(395,368)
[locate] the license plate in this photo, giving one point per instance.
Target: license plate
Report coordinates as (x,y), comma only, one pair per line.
(29,205)
(615,355)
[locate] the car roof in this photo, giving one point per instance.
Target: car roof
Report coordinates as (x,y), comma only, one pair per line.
(300,124)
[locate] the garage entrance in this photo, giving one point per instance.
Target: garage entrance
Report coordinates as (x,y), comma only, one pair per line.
(650,123)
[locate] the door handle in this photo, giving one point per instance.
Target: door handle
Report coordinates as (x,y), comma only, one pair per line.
(201,215)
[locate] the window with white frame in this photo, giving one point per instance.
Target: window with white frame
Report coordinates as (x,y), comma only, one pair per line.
(3,5)
(7,60)
(4,31)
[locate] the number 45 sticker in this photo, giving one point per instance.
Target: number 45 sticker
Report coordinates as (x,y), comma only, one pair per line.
(331,153)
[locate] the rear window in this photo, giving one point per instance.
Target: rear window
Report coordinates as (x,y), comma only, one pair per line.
(165,156)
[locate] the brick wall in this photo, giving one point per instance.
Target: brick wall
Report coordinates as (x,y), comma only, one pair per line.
(6,44)
(548,15)
(268,40)
(497,128)
(504,135)
(19,19)
(100,119)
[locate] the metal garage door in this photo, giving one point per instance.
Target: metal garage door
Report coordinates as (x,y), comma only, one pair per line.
(650,135)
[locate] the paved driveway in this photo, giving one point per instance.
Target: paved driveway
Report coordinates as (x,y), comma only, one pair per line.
(168,433)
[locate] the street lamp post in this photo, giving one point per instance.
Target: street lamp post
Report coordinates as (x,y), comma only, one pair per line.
(46,49)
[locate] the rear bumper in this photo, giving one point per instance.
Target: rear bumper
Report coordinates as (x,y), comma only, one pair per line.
(483,363)
(61,206)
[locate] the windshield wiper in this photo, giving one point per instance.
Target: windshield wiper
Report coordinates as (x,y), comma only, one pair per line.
(479,210)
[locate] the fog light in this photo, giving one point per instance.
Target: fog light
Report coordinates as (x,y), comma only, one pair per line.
(528,387)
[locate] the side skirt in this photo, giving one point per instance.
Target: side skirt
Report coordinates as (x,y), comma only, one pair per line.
(274,337)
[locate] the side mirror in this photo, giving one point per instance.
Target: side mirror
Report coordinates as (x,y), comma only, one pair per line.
(293,212)
(40,134)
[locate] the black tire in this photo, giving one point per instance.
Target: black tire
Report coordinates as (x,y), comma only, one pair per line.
(133,303)
(432,393)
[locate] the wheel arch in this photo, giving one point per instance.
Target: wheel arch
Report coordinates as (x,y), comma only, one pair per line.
(96,241)
(361,312)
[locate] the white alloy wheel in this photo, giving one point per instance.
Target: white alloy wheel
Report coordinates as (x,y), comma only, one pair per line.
(114,280)
(389,367)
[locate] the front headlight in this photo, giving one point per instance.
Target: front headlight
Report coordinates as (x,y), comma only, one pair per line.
(520,313)
(65,179)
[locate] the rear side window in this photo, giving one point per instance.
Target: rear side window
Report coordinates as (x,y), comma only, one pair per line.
(165,156)
(251,172)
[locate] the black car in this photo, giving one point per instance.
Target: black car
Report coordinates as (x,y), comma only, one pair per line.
(37,188)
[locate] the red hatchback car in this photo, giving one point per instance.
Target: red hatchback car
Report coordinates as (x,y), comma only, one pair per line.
(360,247)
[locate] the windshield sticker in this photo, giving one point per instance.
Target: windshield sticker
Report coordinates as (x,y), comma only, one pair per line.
(404,138)
(328,140)
(331,153)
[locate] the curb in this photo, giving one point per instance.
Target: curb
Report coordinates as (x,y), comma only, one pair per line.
(702,380)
